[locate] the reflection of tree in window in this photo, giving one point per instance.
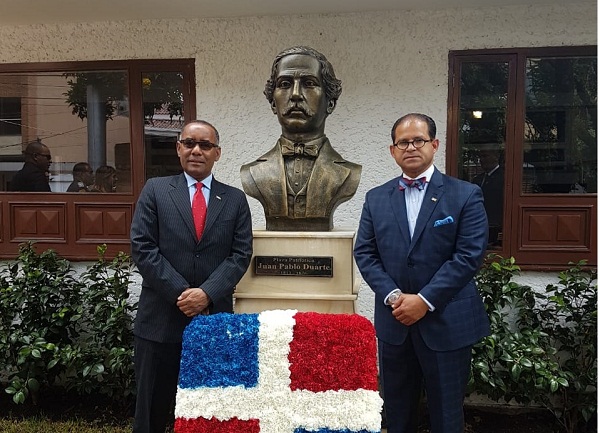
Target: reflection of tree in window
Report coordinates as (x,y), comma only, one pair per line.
(162,90)
(561,123)
(162,98)
(483,90)
(98,96)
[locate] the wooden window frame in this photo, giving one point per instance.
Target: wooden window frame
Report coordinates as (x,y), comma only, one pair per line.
(75,224)
(523,210)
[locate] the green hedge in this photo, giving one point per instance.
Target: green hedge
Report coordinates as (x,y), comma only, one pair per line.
(542,349)
(59,328)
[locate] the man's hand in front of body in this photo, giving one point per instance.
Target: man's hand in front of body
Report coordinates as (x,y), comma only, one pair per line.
(409,309)
(193,301)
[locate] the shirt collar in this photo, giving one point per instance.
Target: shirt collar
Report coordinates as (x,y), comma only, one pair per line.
(207,181)
(427,174)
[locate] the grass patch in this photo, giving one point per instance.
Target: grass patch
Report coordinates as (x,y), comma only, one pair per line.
(44,425)
(60,411)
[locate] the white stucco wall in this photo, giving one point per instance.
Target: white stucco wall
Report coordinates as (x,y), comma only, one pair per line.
(390,63)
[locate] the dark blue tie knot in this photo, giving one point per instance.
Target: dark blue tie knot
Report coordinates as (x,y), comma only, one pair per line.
(412,183)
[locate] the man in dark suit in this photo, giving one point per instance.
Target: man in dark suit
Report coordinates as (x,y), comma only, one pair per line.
(491,182)
(421,239)
(34,176)
(302,180)
(186,270)
(83,178)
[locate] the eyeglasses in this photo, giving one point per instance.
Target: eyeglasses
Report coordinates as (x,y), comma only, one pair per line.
(48,157)
(417,143)
(205,145)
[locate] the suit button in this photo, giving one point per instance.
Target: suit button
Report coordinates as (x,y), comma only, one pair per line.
(410,263)
(197,255)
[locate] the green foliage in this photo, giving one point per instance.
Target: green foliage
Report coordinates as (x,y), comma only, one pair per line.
(40,312)
(110,86)
(59,328)
(569,314)
(161,90)
(536,354)
(103,358)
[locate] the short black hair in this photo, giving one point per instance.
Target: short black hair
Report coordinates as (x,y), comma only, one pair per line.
(205,123)
(431,128)
(81,167)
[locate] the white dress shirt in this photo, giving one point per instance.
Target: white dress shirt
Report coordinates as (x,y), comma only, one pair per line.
(414,199)
(206,184)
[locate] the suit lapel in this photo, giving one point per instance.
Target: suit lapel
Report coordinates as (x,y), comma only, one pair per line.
(215,204)
(399,208)
(180,195)
(435,190)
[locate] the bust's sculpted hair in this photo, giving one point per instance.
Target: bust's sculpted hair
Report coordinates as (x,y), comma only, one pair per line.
(333,86)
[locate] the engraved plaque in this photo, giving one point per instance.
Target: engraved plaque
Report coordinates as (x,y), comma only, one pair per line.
(302,266)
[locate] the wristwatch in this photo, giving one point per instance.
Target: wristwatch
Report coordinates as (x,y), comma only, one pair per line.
(393,296)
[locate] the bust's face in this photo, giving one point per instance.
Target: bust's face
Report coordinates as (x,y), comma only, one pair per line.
(299,97)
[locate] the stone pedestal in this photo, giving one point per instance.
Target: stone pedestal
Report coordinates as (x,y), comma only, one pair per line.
(323,294)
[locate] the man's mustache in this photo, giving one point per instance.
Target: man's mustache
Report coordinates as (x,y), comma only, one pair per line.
(305,110)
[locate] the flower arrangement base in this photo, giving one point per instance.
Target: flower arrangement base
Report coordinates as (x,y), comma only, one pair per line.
(279,371)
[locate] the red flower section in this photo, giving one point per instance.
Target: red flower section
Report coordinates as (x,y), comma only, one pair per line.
(213,425)
(333,351)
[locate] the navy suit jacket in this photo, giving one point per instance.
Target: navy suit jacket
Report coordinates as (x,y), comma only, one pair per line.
(170,260)
(446,251)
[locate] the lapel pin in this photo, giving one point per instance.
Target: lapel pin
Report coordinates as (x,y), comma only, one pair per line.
(218,197)
(433,199)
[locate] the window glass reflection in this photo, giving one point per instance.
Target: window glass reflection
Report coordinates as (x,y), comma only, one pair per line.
(162,97)
(79,119)
(482,132)
(560,141)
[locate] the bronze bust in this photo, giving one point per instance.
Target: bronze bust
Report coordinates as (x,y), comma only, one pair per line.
(302,180)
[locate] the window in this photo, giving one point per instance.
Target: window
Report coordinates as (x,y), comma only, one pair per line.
(10,117)
(523,125)
(106,128)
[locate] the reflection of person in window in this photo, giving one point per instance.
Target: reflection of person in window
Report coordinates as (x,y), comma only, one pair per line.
(83,178)
(34,176)
(105,179)
(491,182)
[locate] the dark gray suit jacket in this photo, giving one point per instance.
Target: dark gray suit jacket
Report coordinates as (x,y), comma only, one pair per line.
(170,260)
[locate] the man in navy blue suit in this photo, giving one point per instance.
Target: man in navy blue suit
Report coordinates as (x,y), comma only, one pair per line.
(188,267)
(421,239)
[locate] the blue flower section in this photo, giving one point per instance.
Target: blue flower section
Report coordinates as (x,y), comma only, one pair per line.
(220,350)
(326,430)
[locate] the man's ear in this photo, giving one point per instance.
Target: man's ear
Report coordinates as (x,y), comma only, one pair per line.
(273,107)
(331,106)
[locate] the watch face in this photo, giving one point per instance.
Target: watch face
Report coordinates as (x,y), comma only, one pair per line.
(394,296)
